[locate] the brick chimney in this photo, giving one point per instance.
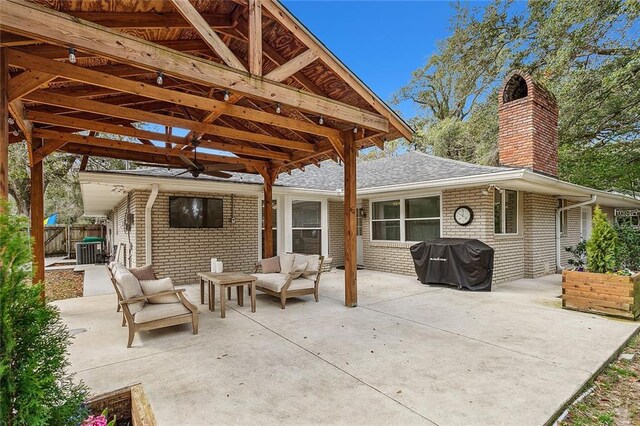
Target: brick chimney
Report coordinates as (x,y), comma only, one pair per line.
(528,125)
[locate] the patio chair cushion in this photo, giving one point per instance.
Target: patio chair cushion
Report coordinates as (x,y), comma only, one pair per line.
(130,288)
(273,282)
(298,269)
(270,265)
(153,312)
(302,283)
(144,273)
(150,287)
(313,261)
(286,262)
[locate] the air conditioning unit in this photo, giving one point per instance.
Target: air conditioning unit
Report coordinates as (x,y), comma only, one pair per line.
(87,253)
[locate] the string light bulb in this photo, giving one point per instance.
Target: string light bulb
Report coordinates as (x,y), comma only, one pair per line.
(278,109)
(355,130)
(72,55)
(160,78)
(226,95)
(321,121)
(11,121)
(15,133)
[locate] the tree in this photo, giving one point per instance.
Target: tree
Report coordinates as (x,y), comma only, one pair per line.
(586,53)
(35,387)
(601,246)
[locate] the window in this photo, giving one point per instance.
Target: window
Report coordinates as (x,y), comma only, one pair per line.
(422,218)
(505,211)
(359,218)
(306,227)
(274,227)
(563,216)
(385,220)
(185,212)
(406,219)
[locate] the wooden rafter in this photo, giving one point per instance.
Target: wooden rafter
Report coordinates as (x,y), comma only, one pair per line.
(150,20)
(255,37)
(26,83)
(288,69)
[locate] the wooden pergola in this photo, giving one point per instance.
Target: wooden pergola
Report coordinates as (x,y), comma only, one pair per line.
(241,76)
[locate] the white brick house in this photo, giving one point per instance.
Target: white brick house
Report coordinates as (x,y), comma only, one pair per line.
(520,209)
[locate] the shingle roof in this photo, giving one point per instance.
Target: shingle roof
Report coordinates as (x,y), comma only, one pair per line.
(411,167)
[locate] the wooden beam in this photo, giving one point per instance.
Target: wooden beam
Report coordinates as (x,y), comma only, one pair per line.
(26,18)
(291,67)
(4,126)
(150,117)
(37,218)
(191,15)
(139,148)
(27,82)
(302,34)
(255,37)
(88,76)
(267,215)
(19,113)
(150,20)
(84,162)
(350,244)
(47,148)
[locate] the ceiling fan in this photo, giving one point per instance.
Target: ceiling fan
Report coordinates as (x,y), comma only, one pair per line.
(196,168)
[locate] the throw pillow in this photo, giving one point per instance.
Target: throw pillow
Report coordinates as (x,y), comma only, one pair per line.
(298,270)
(286,263)
(312,267)
(145,273)
(150,287)
(130,287)
(270,265)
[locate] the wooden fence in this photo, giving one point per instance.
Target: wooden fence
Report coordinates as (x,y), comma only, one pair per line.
(62,239)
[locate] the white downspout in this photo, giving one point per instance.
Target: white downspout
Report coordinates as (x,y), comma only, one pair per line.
(558,236)
(147,223)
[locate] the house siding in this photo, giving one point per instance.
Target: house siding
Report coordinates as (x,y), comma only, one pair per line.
(119,235)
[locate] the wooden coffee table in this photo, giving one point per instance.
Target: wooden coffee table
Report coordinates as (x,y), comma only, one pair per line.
(226,280)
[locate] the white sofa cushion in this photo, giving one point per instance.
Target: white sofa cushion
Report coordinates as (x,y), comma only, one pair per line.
(302,283)
(130,287)
(152,312)
(273,282)
(150,287)
(313,262)
(286,262)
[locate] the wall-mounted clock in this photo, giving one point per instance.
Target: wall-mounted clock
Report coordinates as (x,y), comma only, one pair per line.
(463,215)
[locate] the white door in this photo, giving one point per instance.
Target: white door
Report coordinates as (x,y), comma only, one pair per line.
(585,222)
(360,256)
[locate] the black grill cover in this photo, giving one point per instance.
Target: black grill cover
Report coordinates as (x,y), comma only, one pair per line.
(465,263)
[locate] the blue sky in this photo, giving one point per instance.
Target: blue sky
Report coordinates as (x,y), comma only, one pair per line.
(381,41)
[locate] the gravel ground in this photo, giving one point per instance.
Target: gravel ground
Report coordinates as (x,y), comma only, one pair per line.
(63,284)
(616,396)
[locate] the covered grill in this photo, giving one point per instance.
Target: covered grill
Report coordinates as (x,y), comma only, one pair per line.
(465,263)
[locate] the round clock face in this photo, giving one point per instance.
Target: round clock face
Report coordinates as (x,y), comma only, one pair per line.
(463,215)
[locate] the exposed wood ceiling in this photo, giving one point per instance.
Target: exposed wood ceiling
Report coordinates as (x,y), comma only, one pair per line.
(296,115)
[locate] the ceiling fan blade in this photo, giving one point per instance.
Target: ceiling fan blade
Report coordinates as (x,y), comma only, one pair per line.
(181,173)
(188,161)
(222,175)
(220,167)
(161,166)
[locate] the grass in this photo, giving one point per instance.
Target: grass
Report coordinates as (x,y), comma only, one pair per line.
(616,396)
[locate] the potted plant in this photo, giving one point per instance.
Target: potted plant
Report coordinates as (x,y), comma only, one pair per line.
(604,287)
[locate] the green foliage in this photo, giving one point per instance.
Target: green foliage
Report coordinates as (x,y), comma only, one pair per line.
(601,247)
(579,253)
(35,388)
(586,53)
(628,247)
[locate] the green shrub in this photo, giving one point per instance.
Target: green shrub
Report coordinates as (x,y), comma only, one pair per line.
(35,388)
(601,247)
(628,247)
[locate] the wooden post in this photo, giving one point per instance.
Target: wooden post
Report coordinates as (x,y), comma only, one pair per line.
(350,247)
(37,217)
(4,126)
(255,37)
(267,216)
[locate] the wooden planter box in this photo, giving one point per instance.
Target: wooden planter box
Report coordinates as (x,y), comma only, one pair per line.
(129,405)
(606,294)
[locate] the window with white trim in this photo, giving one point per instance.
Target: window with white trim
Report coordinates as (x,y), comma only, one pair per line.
(406,219)
(505,212)
(563,216)
(306,230)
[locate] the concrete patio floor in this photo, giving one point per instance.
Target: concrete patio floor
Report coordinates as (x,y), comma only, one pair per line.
(408,354)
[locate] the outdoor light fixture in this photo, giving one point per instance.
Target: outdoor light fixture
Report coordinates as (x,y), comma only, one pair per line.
(15,133)
(160,78)
(278,109)
(11,121)
(385,140)
(355,130)
(72,55)
(321,121)
(491,187)
(226,95)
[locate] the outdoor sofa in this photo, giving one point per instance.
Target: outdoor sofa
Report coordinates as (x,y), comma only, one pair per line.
(289,275)
(149,303)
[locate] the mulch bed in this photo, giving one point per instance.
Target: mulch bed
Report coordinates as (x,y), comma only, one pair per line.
(63,284)
(616,396)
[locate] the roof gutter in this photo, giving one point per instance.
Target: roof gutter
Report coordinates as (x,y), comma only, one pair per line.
(147,223)
(558,217)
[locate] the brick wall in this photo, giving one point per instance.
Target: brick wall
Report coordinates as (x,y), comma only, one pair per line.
(539,234)
(336,231)
(181,253)
(528,127)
